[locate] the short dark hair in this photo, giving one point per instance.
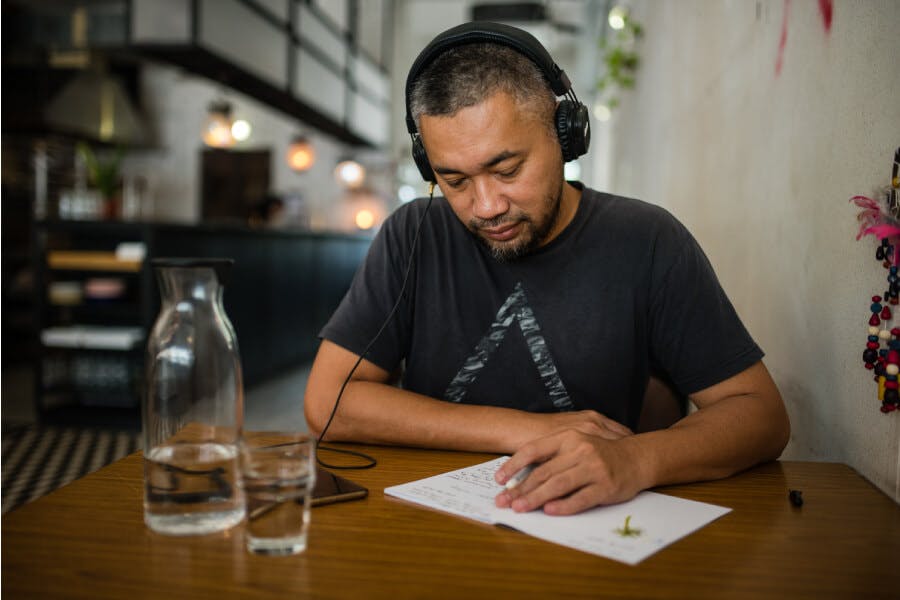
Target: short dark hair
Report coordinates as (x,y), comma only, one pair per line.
(467,75)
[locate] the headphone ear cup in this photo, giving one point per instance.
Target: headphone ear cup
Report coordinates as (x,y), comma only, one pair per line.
(573,129)
(421,160)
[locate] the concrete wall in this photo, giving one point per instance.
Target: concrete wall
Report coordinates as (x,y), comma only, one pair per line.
(759,162)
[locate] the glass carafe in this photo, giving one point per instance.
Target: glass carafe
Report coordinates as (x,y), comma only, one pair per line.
(193,405)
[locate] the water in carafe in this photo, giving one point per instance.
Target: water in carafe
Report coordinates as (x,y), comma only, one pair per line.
(193,405)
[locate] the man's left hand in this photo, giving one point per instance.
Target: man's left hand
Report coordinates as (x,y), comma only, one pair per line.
(574,471)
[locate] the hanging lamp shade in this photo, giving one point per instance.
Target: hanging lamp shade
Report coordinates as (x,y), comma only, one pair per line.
(217,127)
(94,104)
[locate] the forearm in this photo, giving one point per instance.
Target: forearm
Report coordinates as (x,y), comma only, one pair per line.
(371,410)
(733,434)
(379,413)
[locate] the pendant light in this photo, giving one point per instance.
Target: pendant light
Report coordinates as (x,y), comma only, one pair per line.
(217,128)
(350,173)
(241,130)
(300,154)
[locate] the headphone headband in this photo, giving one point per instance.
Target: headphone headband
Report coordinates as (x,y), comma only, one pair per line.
(573,126)
(493,33)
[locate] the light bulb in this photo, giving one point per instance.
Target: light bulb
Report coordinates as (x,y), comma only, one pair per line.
(602,112)
(240,130)
(350,173)
(217,128)
(617,17)
(301,155)
(365,219)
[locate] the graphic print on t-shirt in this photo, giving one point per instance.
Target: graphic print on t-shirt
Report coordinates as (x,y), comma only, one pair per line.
(516,309)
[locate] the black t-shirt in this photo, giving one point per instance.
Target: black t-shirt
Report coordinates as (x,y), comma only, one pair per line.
(623,291)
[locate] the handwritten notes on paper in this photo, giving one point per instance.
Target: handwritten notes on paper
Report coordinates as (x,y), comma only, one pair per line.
(661,519)
(466,493)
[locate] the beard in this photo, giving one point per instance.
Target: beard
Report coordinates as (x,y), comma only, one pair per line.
(535,231)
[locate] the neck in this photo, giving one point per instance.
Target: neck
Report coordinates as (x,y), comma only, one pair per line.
(568,206)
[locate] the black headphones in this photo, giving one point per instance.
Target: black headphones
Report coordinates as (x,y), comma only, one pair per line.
(572,124)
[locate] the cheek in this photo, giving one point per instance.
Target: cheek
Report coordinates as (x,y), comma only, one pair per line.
(529,193)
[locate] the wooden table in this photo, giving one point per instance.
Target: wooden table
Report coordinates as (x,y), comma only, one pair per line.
(88,540)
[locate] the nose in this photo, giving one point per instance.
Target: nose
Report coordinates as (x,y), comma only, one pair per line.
(488,202)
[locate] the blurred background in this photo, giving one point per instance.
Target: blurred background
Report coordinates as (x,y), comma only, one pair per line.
(272,131)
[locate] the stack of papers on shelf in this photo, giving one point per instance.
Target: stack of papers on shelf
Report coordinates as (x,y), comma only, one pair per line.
(653,520)
(133,251)
(94,337)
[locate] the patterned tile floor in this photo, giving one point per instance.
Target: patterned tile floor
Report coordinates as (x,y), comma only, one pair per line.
(37,459)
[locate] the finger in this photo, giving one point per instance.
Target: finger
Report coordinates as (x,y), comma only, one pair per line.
(561,484)
(513,466)
(560,462)
(587,497)
(533,452)
(538,475)
(504,498)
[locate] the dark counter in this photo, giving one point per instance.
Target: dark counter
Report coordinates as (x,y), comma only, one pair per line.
(283,288)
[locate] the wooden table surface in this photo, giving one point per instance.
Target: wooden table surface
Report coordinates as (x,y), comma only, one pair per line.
(88,540)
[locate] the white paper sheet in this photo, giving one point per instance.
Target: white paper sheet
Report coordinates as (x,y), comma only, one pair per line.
(659,519)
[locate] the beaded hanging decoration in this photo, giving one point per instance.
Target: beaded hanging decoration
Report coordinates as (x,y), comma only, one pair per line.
(881,218)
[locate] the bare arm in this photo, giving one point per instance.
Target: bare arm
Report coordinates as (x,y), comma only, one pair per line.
(374,411)
(740,422)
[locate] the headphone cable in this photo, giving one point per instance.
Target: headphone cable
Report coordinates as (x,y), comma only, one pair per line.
(370,461)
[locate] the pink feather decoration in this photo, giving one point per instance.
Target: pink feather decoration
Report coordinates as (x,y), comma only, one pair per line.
(875,219)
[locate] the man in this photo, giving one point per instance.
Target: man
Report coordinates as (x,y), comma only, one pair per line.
(535,310)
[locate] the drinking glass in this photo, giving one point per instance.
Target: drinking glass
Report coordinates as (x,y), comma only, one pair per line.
(278,474)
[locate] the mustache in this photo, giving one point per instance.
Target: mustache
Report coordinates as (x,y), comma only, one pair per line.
(498,221)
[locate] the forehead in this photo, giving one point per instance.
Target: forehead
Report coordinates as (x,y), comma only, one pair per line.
(497,124)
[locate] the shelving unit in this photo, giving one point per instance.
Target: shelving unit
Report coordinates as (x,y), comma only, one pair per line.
(94,310)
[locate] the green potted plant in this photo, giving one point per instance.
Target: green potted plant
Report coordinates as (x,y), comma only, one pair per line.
(105,176)
(619,57)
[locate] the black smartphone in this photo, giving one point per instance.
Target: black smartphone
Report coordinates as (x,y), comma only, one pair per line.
(331,488)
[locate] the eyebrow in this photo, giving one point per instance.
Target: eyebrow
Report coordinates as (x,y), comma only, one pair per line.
(499,158)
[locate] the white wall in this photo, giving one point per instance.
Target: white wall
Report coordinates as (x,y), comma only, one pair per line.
(760,166)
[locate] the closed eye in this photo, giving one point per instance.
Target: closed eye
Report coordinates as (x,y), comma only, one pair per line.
(455,183)
(510,172)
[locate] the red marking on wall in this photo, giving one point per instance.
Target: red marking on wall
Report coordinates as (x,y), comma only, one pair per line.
(826,7)
(782,41)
